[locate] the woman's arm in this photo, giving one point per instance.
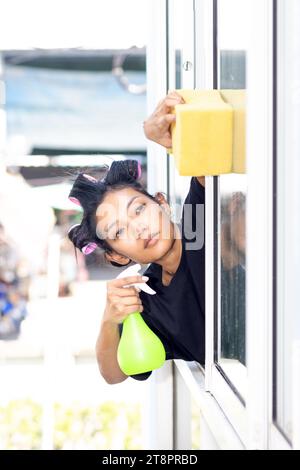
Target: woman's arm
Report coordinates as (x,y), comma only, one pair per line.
(106,352)
(121,301)
(201,180)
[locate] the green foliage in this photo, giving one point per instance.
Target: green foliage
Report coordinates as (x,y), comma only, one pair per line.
(20,425)
(196,435)
(109,425)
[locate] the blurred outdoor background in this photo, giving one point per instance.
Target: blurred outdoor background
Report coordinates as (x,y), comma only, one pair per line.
(72,96)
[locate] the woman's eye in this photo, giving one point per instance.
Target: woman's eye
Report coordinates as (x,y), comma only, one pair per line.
(119,232)
(139,209)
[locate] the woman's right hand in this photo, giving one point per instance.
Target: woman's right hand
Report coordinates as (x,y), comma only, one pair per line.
(122,301)
(157,126)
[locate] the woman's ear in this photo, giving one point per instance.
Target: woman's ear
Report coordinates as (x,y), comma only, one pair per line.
(160,198)
(113,256)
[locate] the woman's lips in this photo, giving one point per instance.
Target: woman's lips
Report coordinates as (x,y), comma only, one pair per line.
(151,241)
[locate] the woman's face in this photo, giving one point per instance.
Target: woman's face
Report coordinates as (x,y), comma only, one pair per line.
(126,219)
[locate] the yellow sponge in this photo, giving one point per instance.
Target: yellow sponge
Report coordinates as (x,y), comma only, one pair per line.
(237,99)
(202,136)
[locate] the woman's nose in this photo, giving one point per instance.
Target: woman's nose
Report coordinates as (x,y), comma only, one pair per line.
(140,231)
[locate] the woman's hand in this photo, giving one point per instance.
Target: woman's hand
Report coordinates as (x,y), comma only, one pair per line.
(122,301)
(157,126)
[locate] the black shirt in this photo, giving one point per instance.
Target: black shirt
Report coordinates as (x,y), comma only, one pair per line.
(176,313)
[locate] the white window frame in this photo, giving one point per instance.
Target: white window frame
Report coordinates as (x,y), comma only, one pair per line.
(159,415)
(259,280)
(288,68)
(215,382)
(228,423)
(214,423)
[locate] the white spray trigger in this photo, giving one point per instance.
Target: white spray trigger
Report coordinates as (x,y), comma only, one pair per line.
(134,271)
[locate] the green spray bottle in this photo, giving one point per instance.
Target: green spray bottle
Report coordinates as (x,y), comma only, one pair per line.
(140,350)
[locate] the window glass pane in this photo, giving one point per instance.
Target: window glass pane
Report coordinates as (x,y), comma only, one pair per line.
(232,58)
(179,51)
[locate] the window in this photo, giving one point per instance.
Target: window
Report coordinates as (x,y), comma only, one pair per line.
(230,347)
(180,75)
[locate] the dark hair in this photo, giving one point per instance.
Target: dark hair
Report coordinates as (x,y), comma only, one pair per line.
(90,192)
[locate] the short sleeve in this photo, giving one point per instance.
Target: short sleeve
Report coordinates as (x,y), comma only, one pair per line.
(141,376)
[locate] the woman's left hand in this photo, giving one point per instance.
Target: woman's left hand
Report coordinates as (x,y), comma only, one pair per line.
(157,126)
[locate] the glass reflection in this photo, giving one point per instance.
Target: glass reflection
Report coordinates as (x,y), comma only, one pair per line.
(232,34)
(233,276)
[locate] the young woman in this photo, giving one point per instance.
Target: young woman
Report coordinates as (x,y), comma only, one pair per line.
(129,224)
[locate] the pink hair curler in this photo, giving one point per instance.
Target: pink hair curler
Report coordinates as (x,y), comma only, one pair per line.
(75,200)
(139,171)
(89,248)
(90,178)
